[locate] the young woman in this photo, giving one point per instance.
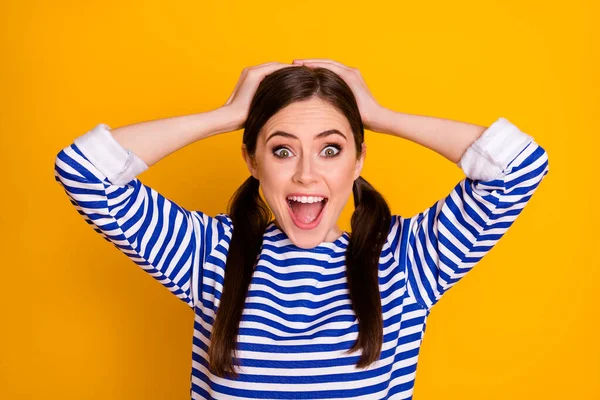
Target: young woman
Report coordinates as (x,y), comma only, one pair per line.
(294,307)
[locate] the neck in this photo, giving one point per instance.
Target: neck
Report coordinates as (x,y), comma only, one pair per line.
(331,236)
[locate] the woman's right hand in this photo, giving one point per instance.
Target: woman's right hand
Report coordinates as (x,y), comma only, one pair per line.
(239,101)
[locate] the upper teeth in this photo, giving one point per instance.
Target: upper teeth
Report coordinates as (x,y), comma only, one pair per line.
(306,199)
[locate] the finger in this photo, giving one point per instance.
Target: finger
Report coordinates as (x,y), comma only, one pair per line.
(270,68)
(265,69)
(242,79)
(322,60)
(318,60)
(335,67)
(270,65)
(262,66)
(342,71)
(267,63)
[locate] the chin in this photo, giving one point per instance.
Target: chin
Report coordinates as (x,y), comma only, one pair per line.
(308,239)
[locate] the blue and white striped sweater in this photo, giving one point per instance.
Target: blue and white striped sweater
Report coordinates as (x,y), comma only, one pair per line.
(298,322)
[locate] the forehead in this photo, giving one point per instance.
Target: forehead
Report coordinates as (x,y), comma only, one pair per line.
(307,117)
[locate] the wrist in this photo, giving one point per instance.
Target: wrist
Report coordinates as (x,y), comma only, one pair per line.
(225,119)
(379,119)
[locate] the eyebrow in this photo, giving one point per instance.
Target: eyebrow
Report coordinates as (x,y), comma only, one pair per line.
(318,136)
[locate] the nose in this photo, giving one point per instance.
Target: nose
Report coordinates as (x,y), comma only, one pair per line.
(305,173)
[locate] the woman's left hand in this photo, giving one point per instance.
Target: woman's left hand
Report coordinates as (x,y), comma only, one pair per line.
(370,109)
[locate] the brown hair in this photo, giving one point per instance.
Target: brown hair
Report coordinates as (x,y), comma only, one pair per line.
(250,216)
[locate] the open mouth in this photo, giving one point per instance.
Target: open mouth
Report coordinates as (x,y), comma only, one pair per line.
(306,211)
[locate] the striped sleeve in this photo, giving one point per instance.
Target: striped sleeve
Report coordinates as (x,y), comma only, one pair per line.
(503,168)
(167,241)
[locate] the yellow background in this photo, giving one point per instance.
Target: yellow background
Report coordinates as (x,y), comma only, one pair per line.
(80,321)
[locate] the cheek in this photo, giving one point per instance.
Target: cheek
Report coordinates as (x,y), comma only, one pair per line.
(273,178)
(341,179)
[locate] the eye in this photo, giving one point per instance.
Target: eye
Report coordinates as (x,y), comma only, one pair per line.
(332,153)
(281,152)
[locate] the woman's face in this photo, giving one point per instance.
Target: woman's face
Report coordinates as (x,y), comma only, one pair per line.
(306,149)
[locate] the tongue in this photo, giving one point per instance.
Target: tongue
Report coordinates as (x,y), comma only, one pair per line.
(306,212)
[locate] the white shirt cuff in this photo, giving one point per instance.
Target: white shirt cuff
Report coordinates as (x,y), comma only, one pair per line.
(488,157)
(118,164)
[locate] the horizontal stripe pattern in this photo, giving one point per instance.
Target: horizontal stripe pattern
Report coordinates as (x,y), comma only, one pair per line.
(448,239)
(298,324)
